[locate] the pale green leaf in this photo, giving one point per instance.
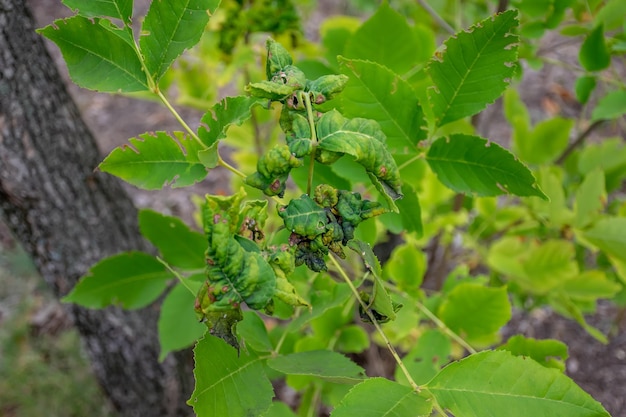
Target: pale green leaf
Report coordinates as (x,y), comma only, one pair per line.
(97,58)
(406,267)
(475,311)
(590,198)
(591,285)
(609,235)
(119,9)
(228,383)
(328,365)
(153,161)
(179,245)
(470,164)
(594,55)
(550,353)
(375,92)
(496,383)
(611,106)
(545,142)
(380,397)
(178,325)
(279,409)
(169,28)
(549,264)
(429,354)
(130,279)
(385,38)
(474,69)
(230,111)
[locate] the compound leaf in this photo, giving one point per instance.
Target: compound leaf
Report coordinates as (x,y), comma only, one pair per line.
(178,325)
(229,111)
(377,93)
(363,140)
(365,400)
(471,164)
(474,69)
(498,383)
(130,279)
(179,245)
(169,28)
(97,58)
(228,384)
(118,9)
(328,365)
(153,161)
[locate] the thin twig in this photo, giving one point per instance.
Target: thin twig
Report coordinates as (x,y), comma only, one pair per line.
(578,141)
(445,25)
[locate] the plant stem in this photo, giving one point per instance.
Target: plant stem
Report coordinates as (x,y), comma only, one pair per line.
(445,328)
(577,142)
(179,119)
(380,331)
(445,25)
(309,113)
(177,275)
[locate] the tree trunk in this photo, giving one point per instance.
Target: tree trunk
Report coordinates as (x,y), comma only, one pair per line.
(68,217)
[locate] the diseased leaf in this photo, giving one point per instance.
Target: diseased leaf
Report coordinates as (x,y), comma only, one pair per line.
(474,69)
(375,92)
(97,58)
(153,161)
(470,164)
(119,9)
(179,245)
(178,326)
(328,365)
(228,383)
(365,400)
(498,383)
(363,140)
(230,111)
(130,279)
(169,28)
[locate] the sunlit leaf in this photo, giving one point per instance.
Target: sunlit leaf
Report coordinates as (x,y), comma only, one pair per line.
(119,9)
(328,365)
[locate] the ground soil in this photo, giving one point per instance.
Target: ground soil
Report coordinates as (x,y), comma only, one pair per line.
(599,369)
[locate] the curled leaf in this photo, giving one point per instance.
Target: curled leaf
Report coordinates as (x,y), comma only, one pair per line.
(277,58)
(273,170)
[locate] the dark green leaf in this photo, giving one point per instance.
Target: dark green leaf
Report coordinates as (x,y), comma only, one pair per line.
(178,325)
(474,69)
(130,279)
(230,111)
(325,364)
(594,54)
(253,331)
(379,397)
(169,28)
(153,161)
(470,164)
(97,58)
(179,245)
(584,87)
(228,384)
(410,210)
(497,383)
(375,92)
(119,9)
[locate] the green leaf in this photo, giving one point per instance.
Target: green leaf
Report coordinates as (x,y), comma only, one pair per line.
(230,111)
(406,267)
(594,54)
(475,311)
(470,164)
(611,106)
(325,364)
(279,409)
(171,27)
(590,285)
(179,245)
(97,58)
(474,69)
(228,384)
(584,87)
(363,140)
(498,383)
(545,142)
(385,38)
(375,92)
(154,161)
(119,9)
(590,198)
(253,331)
(178,325)
(410,210)
(612,14)
(429,354)
(609,235)
(130,279)
(380,397)
(549,352)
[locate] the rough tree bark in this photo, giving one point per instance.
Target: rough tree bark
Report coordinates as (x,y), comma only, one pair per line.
(68,217)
